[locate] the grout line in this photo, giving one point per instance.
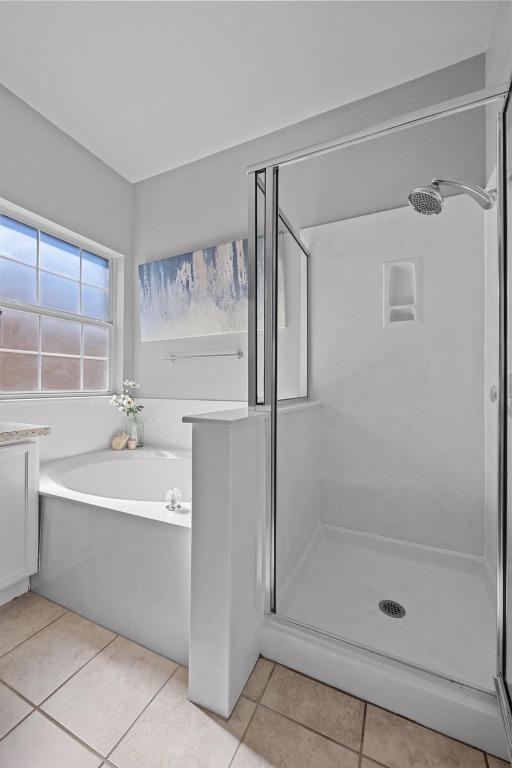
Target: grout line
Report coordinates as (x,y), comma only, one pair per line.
(311,730)
(362,735)
(70,733)
(77,671)
(256,703)
(142,711)
(15,726)
(486,760)
(35,633)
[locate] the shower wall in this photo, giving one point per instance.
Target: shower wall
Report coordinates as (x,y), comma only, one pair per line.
(401,425)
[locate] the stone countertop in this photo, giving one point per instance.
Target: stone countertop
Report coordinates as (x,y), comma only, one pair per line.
(12,431)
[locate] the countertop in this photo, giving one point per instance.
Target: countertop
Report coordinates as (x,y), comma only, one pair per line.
(12,431)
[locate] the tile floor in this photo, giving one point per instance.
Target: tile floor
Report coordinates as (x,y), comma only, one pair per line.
(74,694)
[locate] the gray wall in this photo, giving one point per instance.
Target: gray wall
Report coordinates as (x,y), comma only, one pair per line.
(205,203)
(45,171)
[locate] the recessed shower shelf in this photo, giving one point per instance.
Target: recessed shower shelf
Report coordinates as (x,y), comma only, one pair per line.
(401,291)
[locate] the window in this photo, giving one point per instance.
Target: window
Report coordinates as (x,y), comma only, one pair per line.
(56,314)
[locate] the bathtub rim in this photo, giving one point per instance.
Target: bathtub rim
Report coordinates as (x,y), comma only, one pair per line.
(50,486)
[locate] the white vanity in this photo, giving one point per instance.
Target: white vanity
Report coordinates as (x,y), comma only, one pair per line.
(19,517)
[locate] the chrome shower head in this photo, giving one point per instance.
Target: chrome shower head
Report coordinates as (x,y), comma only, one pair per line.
(427,200)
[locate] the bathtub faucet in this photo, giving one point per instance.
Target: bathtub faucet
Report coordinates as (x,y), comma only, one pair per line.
(173,498)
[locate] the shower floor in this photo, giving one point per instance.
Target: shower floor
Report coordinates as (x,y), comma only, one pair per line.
(449,626)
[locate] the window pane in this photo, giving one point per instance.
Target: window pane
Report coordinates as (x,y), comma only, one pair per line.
(95,341)
(17,281)
(60,373)
(94,302)
(96,374)
(18,241)
(19,330)
(94,269)
(59,256)
(18,372)
(60,336)
(59,293)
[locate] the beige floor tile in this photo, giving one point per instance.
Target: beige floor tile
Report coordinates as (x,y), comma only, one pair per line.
(495,762)
(273,740)
(12,710)
(399,743)
(22,617)
(324,709)
(367,763)
(38,743)
(103,699)
(255,685)
(38,666)
(174,732)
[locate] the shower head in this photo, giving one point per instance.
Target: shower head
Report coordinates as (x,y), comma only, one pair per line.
(429,200)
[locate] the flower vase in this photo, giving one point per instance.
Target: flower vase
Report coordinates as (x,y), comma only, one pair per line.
(135,429)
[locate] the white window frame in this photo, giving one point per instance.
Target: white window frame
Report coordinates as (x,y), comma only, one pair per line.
(116,297)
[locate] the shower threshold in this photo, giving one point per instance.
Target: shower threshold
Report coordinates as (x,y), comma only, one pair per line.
(449,622)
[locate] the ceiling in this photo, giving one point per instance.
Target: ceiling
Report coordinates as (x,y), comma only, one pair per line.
(149,86)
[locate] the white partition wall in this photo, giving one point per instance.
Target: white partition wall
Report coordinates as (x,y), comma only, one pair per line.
(228,492)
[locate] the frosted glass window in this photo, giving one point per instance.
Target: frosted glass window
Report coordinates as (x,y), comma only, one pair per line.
(18,241)
(58,256)
(95,341)
(18,372)
(59,293)
(17,281)
(60,336)
(95,270)
(96,375)
(19,330)
(60,373)
(55,313)
(94,302)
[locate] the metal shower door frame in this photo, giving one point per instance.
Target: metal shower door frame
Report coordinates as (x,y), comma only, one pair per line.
(270,168)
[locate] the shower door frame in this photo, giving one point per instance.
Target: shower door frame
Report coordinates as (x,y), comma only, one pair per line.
(270,168)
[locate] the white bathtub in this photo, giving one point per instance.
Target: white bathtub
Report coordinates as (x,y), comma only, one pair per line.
(111,551)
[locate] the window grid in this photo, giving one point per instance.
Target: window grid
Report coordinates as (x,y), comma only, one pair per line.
(42,311)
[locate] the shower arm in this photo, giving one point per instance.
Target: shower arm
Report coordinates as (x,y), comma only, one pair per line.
(484,198)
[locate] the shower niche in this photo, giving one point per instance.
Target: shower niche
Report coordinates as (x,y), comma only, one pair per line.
(401,291)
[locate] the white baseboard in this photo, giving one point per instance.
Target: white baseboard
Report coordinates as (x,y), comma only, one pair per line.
(15,590)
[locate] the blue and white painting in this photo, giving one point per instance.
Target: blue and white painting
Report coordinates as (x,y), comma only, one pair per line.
(201,293)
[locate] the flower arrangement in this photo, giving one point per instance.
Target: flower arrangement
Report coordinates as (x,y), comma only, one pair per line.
(125,402)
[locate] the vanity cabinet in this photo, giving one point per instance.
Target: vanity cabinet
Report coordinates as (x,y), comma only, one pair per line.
(19,481)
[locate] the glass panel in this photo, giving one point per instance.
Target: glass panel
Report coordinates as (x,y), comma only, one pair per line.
(59,293)
(96,374)
(95,341)
(60,336)
(60,373)
(260,288)
(17,282)
(95,270)
(94,302)
(19,330)
(508,256)
(18,372)
(18,241)
(58,256)
(292,346)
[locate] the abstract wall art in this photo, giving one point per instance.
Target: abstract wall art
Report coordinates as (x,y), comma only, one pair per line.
(201,293)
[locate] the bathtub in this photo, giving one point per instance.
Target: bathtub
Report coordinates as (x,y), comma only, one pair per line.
(111,551)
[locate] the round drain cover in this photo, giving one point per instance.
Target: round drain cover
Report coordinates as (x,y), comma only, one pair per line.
(392,608)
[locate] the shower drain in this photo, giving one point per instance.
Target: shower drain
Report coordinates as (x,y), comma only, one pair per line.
(391,608)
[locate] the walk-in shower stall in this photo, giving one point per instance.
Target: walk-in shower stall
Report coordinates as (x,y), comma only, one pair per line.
(378,340)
